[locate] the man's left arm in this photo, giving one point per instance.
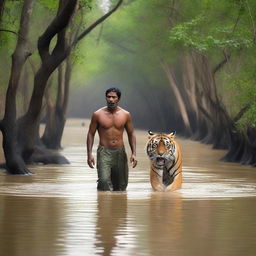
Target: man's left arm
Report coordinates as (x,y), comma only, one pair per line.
(132,140)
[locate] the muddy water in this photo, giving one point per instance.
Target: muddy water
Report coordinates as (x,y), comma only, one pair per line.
(57,211)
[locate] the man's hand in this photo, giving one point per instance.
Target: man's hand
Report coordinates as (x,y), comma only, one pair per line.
(90,161)
(133,161)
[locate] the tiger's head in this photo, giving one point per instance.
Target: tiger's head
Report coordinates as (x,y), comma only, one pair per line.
(160,148)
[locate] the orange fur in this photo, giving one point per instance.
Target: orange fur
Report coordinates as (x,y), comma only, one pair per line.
(163,146)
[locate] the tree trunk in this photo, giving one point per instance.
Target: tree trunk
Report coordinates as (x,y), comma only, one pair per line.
(179,99)
(190,84)
(223,133)
(56,118)
(14,161)
(242,148)
(2,2)
(56,114)
(28,134)
(24,84)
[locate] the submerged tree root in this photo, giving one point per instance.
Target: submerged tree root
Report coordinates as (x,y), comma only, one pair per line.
(45,156)
(16,169)
(40,155)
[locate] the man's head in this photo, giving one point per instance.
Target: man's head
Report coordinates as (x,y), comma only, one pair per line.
(113,96)
(114,89)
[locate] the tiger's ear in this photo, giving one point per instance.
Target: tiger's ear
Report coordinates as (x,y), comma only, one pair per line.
(172,134)
(150,133)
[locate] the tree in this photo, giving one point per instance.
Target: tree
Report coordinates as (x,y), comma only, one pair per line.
(201,36)
(56,118)
(8,125)
(21,137)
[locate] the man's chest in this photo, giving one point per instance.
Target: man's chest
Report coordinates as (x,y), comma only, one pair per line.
(109,121)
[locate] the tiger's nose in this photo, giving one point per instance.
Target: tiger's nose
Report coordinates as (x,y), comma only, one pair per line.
(161,148)
(160,153)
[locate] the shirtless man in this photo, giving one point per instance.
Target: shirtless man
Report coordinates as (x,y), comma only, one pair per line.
(110,122)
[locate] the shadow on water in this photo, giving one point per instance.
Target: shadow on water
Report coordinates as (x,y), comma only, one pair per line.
(58,211)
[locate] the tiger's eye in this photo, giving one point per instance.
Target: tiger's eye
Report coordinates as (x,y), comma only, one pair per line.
(154,145)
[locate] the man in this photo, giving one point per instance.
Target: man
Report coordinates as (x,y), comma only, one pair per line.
(110,122)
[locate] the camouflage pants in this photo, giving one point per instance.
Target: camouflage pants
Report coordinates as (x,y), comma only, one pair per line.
(112,169)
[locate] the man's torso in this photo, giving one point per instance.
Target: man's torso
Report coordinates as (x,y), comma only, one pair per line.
(111,126)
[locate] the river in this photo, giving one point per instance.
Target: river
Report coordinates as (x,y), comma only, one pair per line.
(58,211)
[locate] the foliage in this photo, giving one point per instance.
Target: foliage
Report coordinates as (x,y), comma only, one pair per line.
(50,4)
(86,4)
(197,35)
(227,26)
(128,47)
(10,23)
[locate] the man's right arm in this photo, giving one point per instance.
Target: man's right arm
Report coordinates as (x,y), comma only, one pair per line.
(90,139)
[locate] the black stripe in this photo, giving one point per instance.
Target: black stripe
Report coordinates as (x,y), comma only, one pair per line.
(174,163)
(176,174)
(173,174)
(156,172)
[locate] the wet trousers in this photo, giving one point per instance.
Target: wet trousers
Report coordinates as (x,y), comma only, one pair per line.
(112,169)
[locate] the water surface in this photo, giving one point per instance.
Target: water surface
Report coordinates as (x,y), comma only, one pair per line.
(58,211)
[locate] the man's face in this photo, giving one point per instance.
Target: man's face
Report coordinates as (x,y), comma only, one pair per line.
(112,100)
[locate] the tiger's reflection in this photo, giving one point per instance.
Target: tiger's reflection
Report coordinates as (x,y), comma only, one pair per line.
(165,218)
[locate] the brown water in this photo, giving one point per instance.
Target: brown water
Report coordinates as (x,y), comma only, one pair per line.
(58,211)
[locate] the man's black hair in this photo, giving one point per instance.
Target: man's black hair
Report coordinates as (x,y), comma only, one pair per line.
(114,89)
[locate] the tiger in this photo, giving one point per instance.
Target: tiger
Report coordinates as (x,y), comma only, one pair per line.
(166,161)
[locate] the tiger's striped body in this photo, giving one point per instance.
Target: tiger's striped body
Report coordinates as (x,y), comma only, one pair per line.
(166,162)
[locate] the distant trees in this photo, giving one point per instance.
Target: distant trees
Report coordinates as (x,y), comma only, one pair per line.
(200,56)
(209,40)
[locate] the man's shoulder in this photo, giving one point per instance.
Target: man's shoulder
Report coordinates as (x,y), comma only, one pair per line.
(100,110)
(97,114)
(124,111)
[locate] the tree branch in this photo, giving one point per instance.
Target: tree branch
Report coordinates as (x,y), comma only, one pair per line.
(241,113)
(222,63)
(59,23)
(11,31)
(205,113)
(97,22)
(121,46)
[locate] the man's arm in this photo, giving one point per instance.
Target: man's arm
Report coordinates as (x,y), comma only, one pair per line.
(90,139)
(132,140)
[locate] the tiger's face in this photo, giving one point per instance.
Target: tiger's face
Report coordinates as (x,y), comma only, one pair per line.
(161,148)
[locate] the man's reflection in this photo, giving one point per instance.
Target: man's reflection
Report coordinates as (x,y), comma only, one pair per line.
(111,220)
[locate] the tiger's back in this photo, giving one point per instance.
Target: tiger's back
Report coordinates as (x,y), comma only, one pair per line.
(166,162)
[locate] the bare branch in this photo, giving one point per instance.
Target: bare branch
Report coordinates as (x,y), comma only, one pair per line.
(241,113)
(121,46)
(11,31)
(96,23)
(222,63)
(252,20)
